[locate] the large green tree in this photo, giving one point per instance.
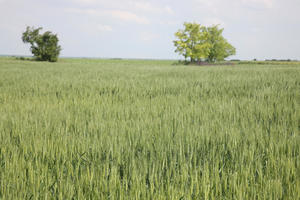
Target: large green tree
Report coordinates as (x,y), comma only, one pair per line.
(44,46)
(191,42)
(220,48)
(198,43)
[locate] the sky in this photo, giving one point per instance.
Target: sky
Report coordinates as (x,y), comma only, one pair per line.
(261,29)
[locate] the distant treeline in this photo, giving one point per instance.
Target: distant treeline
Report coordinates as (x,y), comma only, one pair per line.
(268,60)
(287,60)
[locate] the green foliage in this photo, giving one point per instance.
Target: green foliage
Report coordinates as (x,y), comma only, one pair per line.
(200,43)
(220,48)
(191,42)
(43,46)
(119,129)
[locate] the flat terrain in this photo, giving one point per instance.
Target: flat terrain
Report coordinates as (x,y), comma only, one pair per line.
(134,129)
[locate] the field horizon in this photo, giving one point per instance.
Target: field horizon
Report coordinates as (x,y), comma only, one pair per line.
(16,56)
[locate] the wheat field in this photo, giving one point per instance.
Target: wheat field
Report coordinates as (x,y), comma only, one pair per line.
(144,129)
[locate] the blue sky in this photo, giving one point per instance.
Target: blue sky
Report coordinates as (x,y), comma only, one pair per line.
(262,29)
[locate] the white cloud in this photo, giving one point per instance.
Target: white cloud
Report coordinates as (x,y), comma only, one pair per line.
(104,28)
(169,10)
(144,6)
(116,14)
(215,7)
(126,16)
(214,21)
(85,2)
(136,6)
(94,29)
(147,36)
(255,30)
(151,8)
(170,22)
(264,3)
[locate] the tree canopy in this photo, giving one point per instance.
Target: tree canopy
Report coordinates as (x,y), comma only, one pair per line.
(44,46)
(201,43)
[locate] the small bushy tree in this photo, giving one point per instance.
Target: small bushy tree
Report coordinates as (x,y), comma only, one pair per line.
(44,46)
(198,43)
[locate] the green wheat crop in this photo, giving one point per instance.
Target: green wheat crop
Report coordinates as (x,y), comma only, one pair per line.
(130,129)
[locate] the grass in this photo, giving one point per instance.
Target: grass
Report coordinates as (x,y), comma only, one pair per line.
(119,129)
